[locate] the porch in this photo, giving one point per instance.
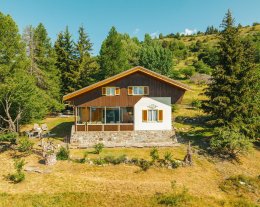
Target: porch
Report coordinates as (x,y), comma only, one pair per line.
(104,118)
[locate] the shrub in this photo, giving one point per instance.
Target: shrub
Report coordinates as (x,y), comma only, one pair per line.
(135,161)
(25,145)
(174,107)
(82,160)
(8,137)
(99,161)
(175,74)
(175,164)
(98,148)
(168,156)
(115,160)
(229,142)
(188,72)
(144,164)
(176,199)
(196,104)
(63,154)
(154,154)
(18,176)
(240,184)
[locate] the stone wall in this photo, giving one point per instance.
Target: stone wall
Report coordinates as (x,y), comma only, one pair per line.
(124,138)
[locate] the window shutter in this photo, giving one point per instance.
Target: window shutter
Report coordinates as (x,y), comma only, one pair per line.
(130,90)
(146,90)
(160,116)
(104,91)
(117,92)
(144,115)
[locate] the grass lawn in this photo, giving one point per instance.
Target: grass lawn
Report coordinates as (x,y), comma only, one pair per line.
(73,184)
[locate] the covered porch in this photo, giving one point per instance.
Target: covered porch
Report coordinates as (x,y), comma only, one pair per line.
(104,118)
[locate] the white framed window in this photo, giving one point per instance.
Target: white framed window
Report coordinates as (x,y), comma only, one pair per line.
(110,91)
(138,90)
(152,115)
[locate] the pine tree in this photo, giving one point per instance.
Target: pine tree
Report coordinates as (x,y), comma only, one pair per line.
(88,66)
(66,62)
(233,91)
(113,58)
(153,56)
(45,60)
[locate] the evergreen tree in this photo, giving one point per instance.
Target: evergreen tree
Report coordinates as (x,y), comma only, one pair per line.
(88,66)
(42,64)
(66,62)
(131,47)
(234,88)
(113,58)
(154,57)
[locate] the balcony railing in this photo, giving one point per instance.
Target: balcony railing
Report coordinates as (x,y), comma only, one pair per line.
(105,127)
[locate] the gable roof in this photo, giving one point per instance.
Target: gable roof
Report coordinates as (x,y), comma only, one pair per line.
(123,74)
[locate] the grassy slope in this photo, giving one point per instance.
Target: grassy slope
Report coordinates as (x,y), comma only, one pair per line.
(207,40)
(74,184)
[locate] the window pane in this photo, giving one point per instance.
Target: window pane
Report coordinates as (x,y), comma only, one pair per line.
(141,90)
(154,115)
(110,91)
(150,115)
(135,90)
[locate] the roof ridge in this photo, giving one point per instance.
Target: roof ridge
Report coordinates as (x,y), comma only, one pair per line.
(125,73)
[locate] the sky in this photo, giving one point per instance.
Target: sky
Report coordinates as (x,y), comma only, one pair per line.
(135,17)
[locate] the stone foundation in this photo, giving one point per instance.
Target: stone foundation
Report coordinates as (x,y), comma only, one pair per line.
(159,138)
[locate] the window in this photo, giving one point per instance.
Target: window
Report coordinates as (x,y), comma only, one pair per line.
(152,115)
(110,91)
(138,90)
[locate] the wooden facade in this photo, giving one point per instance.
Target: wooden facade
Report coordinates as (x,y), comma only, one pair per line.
(157,88)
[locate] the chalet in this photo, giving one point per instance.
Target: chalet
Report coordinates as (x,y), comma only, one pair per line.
(135,100)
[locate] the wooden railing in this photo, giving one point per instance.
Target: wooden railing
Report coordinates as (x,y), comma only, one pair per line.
(105,127)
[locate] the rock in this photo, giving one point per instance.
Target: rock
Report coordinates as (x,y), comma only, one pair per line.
(50,159)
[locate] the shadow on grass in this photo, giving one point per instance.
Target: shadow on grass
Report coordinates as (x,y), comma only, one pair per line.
(62,130)
(199,133)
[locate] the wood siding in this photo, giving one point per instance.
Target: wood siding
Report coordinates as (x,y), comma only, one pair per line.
(157,88)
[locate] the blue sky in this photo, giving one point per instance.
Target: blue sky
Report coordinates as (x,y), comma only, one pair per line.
(135,17)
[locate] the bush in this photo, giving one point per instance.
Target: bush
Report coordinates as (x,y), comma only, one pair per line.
(25,145)
(8,137)
(175,74)
(144,164)
(63,154)
(175,164)
(99,161)
(176,199)
(174,107)
(154,154)
(115,160)
(188,72)
(98,148)
(240,184)
(196,104)
(168,156)
(82,160)
(229,142)
(18,176)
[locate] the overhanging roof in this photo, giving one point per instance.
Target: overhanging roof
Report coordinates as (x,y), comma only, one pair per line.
(123,74)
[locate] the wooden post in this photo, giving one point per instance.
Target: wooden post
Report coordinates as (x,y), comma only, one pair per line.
(75,115)
(188,156)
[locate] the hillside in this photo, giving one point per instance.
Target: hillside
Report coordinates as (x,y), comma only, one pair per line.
(205,41)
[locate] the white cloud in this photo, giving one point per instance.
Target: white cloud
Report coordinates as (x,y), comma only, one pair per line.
(136,31)
(189,31)
(154,34)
